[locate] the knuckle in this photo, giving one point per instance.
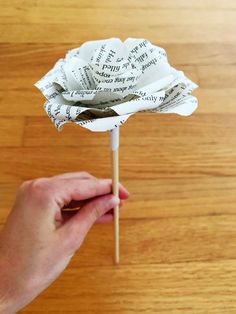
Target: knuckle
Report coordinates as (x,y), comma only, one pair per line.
(85,174)
(23,189)
(24,186)
(39,183)
(35,191)
(39,187)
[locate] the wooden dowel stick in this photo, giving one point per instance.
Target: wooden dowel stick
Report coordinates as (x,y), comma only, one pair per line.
(115,188)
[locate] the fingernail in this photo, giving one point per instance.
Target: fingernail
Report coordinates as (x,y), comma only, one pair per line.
(128,193)
(124,189)
(114,200)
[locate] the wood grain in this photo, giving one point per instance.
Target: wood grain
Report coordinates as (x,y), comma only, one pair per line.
(178,238)
(160,288)
(11,131)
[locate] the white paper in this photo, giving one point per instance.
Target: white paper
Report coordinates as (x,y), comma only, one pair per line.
(101,84)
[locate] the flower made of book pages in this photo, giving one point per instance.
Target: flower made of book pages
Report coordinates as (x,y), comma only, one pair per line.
(102,83)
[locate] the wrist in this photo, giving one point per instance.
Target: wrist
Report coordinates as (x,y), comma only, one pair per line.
(6,301)
(15,290)
(6,308)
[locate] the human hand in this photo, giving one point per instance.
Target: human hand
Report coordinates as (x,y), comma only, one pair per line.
(40,236)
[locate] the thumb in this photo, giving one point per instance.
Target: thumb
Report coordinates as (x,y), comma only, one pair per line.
(78,226)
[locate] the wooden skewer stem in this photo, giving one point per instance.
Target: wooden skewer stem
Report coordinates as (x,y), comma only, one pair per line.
(114,140)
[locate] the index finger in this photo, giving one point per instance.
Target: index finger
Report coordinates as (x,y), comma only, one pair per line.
(67,190)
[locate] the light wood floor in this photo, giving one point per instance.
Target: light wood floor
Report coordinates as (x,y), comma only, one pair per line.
(178,230)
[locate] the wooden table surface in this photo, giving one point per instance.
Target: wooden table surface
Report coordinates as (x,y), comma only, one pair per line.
(178,230)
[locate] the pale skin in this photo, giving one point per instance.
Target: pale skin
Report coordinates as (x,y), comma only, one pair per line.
(41,235)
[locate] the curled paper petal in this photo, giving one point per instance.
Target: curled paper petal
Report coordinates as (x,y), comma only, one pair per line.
(78,74)
(184,108)
(102,83)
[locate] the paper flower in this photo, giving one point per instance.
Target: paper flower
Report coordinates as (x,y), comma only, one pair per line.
(102,83)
